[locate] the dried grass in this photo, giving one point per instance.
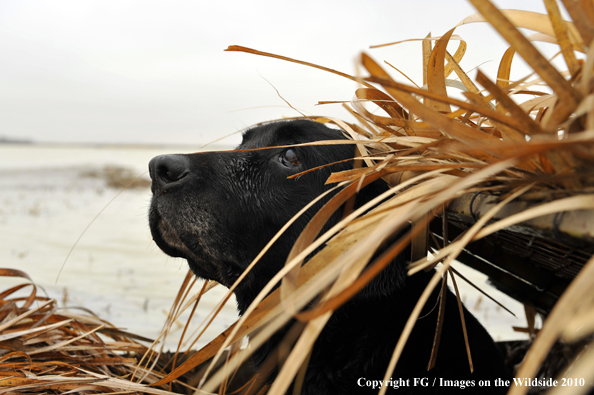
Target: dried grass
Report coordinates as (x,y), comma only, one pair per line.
(47,349)
(496,141)
(507,138)
(118,177)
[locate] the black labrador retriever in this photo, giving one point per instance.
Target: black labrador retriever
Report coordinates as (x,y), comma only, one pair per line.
(218,210)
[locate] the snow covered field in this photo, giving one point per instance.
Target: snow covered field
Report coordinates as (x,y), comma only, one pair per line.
(50,193)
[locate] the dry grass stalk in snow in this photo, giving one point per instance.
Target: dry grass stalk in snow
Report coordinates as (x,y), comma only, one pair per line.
(46,349)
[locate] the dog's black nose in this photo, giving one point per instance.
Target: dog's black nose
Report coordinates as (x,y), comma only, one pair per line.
(168,169)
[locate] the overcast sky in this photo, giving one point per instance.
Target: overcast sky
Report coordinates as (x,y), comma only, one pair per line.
(156,71)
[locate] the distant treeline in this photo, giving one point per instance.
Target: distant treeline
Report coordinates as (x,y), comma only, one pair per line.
(10,140)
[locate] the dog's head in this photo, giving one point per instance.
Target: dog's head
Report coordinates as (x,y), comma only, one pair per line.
(219,209)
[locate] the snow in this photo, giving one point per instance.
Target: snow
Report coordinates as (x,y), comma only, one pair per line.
(115,270)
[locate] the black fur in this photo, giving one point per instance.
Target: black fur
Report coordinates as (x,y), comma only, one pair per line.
(218,210)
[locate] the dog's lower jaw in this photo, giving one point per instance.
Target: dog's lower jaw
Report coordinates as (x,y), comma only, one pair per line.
(216,273)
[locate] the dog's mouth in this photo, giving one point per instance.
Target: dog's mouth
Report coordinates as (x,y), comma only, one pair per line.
(165,237)
(188,247)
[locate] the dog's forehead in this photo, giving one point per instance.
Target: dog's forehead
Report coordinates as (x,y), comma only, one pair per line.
(286,133)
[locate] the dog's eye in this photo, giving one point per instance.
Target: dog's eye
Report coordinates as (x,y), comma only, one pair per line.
(289,158)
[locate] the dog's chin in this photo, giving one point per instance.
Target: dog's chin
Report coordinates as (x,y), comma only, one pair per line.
(165,238)
(172,244)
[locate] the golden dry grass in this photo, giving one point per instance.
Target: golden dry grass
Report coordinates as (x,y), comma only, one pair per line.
(493,141)
(44,349)
(48,349)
